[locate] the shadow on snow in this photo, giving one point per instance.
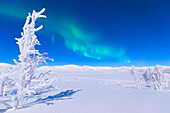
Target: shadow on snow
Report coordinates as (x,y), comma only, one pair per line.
(65,95)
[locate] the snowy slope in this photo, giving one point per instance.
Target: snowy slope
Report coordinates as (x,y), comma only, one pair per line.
(85,89)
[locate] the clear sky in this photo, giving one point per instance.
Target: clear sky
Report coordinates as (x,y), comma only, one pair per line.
(92,32)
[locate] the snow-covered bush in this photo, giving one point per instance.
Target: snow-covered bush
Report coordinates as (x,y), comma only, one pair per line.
(16,84)
(155,77)
(147,76)
(133,73)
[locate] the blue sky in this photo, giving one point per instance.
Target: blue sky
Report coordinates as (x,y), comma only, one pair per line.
(92,32)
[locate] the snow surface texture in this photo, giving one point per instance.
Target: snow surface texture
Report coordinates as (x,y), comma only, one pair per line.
(85,89)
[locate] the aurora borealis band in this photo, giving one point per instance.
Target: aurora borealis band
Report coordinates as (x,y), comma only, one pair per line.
(92,32)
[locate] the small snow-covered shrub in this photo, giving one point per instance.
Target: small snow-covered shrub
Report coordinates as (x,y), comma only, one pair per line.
(133,73)
(16,84)
(155,77)
(147,76)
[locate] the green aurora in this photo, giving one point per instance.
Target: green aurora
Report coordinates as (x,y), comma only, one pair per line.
(85,43)
(76,38)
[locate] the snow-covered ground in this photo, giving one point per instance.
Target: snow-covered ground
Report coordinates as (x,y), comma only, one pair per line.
(85,89)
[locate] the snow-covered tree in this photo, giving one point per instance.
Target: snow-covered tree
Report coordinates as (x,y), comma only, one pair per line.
(147,76)
(30,58)
(156,77)
(15,85)
(133,73)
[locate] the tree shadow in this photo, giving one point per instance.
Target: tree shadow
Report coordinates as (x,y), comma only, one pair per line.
(64,95)
(5,102)
(3,110)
